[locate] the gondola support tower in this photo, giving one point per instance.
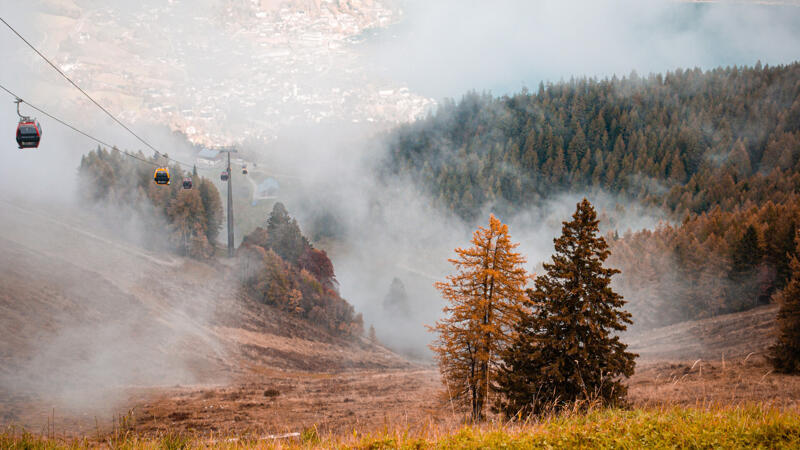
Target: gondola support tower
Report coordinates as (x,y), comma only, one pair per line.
(231,249)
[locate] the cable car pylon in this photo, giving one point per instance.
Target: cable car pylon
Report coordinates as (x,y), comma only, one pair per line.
(229,150)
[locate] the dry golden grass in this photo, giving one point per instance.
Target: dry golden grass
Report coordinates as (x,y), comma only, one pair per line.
(388,404)
(742,380)
(755,426)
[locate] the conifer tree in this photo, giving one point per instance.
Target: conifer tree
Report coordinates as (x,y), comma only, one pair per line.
(785,354)
(212,205)
(396,300)
(485,299)
(746,253)
(284,236)
(739,159)
(565,349)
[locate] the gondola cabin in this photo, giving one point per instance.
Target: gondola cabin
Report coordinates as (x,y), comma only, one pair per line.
(224,176)
(161,175)
(187,183)
(29,133)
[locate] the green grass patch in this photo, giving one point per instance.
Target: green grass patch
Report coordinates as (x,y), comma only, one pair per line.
(745,427)
(753,427)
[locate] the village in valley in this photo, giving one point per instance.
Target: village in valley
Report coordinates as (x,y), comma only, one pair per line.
(255,66)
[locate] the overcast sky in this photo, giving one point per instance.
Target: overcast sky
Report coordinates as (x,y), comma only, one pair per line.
(446,47)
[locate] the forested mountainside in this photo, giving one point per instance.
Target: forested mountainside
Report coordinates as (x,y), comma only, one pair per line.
(275,264)
(718,150)
(184,220)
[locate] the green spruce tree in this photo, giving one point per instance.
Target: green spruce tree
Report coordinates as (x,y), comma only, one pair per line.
(565,349)
(284,236)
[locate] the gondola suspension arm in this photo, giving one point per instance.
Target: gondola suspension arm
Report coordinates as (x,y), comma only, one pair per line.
(18,101)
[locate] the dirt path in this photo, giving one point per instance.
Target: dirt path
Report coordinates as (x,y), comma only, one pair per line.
(272,402)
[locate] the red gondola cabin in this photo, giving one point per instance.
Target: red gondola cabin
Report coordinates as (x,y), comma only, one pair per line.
(29,133)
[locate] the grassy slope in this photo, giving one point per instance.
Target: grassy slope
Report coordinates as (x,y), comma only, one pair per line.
(749,427)
(91,322)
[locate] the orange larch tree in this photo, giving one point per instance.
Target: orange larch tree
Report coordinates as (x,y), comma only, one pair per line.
(486,298)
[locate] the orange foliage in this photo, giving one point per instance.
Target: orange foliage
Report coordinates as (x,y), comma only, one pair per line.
(703,267)
(486,298)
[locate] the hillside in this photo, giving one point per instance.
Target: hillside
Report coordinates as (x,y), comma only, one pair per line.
(94,326)
(715,152)
(730,335)
(687,140)
(263,224)
(88,318)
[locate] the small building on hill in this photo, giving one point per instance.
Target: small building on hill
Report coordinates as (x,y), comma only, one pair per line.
(208,157)
(267,189)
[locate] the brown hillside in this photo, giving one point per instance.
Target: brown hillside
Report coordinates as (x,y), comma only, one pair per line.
(92,326)
(728,335)
(86,320)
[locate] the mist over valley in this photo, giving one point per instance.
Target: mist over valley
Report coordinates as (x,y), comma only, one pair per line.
(374,141)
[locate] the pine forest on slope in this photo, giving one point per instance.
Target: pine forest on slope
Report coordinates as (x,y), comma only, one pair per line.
(717,150)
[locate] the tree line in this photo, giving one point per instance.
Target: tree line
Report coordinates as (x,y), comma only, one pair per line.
(192,217)
(277,265)
(687,140)
(716,150)
(712,263)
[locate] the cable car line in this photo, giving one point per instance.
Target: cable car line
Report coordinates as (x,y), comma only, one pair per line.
(113,147)
(189,166)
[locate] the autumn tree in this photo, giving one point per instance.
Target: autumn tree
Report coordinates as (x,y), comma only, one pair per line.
(199,248)
(97,176)
(746,253)
(785,354)
(317,263)
(566,347)
(187,217)
(745,260)
(212,206)
(485,299)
